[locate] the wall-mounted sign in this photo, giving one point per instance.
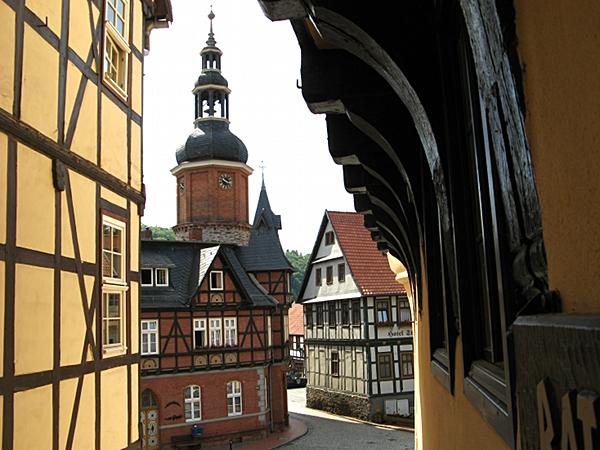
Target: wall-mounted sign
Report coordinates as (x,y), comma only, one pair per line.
(557,368)
(396,332)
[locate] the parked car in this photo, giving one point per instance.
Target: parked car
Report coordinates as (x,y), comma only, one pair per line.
(294,379)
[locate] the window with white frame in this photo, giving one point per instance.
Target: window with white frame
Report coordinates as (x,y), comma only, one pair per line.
(161,276)
(215,332)
(199,333)
(147,277)
(216,280)
(116,47)
(192,403)
(149,338)
(234,398)
(113,282)
(230,327)
(404,311)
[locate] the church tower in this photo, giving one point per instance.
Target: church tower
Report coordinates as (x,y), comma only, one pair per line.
(212,174)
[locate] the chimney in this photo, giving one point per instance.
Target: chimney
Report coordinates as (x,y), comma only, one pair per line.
(146,234)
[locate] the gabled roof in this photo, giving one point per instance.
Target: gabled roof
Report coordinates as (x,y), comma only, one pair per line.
(264,251)
(369,266)
(190,262)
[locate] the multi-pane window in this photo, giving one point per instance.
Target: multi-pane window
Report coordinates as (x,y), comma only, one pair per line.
(216,280)
(404,311)
(329,274)
(308,312)
(345,312)
(406,364)
(230,327)
(116,48)
(234,398)
(199,333)
(161,277)
(329,238)
(112,320)
(383,311)
(335,364)
(112,249)
(355,312)
(341,273)
(215,333)
(149,338)
(384,366)
(113,282)
(147,277)
(192,403)
(319,314)
(318,277)
(332,313)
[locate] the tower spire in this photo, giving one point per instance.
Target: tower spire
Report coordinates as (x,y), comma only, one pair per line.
(262,169)
(211,35)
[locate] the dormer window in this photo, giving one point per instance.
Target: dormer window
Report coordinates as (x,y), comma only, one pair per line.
(147,276)
(161,276)
(329,238)
(158,276)
(216,280)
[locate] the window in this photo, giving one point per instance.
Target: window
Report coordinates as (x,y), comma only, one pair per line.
(319,314)
(329,274)
(318,277)
(112,250)
(193,409)
(335,364)
(355,312)
(383,311)
(111,319)
(199,333)
(113,282)
(215,333)
(116,48)
(234,398)
(332,314)
(216,280)
(308,312)
(384,366)
(147,278)
(162,277)
(329,238)
(341,273)
(345,312)
(406,364)
(149,337)
(404,311)
(230,327)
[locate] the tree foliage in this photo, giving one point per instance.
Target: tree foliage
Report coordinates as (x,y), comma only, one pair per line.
(298,262)
(161,233)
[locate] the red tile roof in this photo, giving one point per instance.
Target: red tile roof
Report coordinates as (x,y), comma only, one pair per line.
(296,319)
(369,266)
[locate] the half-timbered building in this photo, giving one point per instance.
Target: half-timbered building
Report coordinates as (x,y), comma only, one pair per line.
(213,326)
(71,197)
(358,332)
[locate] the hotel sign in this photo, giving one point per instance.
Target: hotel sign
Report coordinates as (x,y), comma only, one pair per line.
(396,332)
(557,367)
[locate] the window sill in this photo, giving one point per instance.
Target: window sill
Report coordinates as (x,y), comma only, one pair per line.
(148,354)
(193,420)
(114,350)
(440,368)
(384,324)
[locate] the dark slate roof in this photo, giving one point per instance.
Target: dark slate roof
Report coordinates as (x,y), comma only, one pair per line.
(153,258)
(211,77)
(264,251)
(183,273)
(212,140)
(190,264)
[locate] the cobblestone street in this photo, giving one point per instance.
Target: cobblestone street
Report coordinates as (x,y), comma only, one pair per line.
(328,431)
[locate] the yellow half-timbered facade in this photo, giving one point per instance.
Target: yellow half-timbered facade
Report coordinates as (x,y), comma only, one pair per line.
(71,197)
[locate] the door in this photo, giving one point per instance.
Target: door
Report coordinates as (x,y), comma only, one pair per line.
(149,421)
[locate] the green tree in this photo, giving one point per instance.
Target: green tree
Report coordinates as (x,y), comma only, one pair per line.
(161,233)
(298,262)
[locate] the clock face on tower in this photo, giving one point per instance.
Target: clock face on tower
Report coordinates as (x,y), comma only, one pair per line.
(225,181)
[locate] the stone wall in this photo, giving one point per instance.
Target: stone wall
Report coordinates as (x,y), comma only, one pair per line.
(338,403)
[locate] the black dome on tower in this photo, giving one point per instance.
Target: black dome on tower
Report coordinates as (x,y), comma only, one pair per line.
(211,138)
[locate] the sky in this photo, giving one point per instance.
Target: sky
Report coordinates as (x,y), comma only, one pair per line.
(261,61)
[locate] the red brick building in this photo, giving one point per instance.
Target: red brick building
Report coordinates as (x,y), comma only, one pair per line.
(214,303)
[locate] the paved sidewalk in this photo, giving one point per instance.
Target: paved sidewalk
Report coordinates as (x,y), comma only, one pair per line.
(296,429)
